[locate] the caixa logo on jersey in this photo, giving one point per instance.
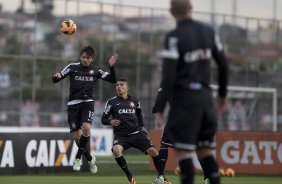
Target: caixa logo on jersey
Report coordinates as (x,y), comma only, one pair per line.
(126,111)
(50,153)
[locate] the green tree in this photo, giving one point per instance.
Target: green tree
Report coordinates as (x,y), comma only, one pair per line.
(45,9)
(12,45)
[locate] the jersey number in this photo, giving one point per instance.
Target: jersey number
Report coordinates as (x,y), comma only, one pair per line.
(91,114)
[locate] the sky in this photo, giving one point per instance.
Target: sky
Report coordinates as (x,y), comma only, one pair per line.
(252,8)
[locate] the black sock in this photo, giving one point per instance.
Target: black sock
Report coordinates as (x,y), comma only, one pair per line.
(86,152)
(87,155)
(204,171)
(82,146)
(156,162)
(123,165)
(187,171)
(163,154)
(210,169)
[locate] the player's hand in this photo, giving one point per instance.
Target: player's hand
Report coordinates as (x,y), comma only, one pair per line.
(57,75)
(115,122)
(159,120)
(220,104)
(145,131)
(113,59)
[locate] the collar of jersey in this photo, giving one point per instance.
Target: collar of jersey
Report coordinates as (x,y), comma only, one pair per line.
(128,97)
(86,66)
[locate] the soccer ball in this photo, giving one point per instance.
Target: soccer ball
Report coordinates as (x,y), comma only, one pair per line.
(230,172)
(68,27)
(221,172)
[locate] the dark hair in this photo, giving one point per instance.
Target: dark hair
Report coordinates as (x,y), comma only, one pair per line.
(180,7)
(122,80)
(88,50)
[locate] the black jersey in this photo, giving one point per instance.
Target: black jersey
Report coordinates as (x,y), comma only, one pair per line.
(128,111)
(82,79)
(186,62)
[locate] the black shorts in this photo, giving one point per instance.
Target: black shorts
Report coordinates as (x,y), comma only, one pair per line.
(80,113)
(194,125)
(138,140)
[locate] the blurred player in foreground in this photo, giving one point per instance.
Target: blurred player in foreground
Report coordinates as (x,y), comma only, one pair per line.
(186,73)
(124,113)
(163,152)
(82,76)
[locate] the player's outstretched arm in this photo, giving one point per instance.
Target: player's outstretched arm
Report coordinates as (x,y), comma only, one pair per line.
(56,77)
(110,77)
(63,74)
(113,60)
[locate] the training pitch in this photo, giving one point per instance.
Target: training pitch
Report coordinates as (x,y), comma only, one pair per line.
(110,173)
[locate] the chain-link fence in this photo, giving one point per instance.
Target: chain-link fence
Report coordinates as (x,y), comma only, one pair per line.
(32,48)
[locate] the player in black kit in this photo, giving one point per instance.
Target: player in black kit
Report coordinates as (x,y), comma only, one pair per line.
(163,152)
(186,73)
(82,76)
(124,113)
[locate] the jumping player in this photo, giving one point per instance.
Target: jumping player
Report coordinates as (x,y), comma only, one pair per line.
(82,77)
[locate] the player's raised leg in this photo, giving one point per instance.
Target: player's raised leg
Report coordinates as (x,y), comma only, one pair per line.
(118,153)
(77,162)
(82,149)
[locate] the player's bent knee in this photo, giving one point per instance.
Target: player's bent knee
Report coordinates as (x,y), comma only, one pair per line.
(184,154)
(204,152)
(76,135)
(117,150)
(117,154)
(86,129)
(152,152)
(86,126)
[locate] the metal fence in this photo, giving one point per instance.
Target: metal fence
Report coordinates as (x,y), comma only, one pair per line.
(32,48)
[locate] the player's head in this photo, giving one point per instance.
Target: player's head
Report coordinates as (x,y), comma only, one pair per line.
(122,87)
(180,9)
(87,55)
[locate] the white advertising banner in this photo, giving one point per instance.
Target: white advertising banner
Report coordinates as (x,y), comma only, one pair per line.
(101,142)
(46,150)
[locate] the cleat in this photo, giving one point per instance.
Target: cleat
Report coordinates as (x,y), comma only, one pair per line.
(92,165)
(76,165)
(159,180)
(166,181)
(132,181)
(206,181)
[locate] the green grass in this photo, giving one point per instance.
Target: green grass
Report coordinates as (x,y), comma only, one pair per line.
(129,157)
(110,173)
(141,179)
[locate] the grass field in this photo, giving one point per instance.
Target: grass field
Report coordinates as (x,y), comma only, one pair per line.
(110,173)
(141,179)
